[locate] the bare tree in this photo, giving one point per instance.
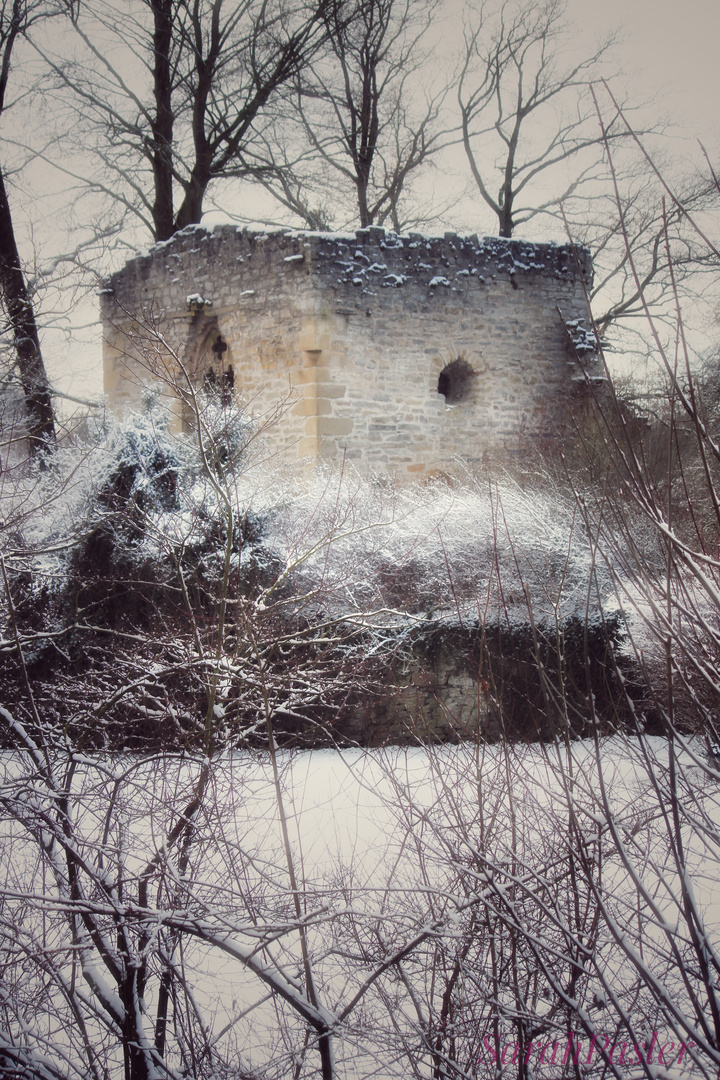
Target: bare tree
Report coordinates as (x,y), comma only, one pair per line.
(656,526)
(537,143)
(369,124)
(523,115)
(177,95)
(17,17)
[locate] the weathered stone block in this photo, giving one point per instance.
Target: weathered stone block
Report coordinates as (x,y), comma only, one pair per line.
(333,426)
(312,407)
(329,390)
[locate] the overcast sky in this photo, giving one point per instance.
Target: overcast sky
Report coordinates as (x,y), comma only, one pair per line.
(670,47)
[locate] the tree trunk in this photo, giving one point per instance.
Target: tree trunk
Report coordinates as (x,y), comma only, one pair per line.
(136,1059)
(365,215)
(326,1058)
(162,121)
(506,208)
(191,208)
(21,317)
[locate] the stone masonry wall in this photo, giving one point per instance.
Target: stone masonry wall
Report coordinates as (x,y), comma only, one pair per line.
(338,341)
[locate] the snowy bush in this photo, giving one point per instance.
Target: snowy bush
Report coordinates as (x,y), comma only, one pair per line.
(327,594)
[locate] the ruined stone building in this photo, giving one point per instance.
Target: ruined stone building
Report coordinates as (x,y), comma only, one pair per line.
(399,353)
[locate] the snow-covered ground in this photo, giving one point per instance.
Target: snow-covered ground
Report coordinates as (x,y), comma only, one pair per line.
(406,862)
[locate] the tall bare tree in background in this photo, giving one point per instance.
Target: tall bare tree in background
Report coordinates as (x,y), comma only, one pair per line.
(523,113)
(535,143)
(171,97)
(16,18)
(370,118)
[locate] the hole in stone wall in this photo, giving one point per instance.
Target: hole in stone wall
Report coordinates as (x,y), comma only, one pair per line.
(455,381)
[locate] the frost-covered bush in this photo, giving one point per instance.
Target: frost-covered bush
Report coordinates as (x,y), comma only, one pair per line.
(145,468)
(156,516)
(457,552)
(194,574)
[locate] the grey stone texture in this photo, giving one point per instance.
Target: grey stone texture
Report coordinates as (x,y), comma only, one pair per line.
(338,342)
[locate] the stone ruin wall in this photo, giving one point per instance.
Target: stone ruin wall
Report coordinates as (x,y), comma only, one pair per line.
(337,342)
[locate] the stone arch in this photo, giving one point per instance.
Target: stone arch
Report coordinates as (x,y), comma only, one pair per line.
(209,365)
(216,369)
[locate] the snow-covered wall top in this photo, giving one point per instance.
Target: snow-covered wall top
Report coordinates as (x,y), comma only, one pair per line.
(398,352)
(373,257)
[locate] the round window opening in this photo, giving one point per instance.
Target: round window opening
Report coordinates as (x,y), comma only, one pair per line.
(455,381)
